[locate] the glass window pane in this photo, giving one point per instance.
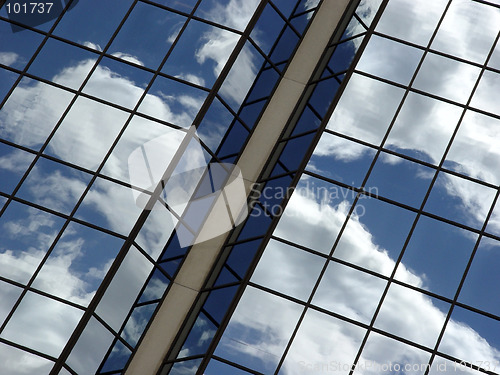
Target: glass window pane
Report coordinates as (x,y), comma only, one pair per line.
(78,263)
(110,206)
(495,58)
(423,128)
(117,82)
(315,213)
(484,97)
(446,78)
(390,60)
(40,17)
(232,13)
(42,324)
(93,23)
(9,295)
(341,160)
(267,29)
(137,323)
(412,315)
(460,34)
(323,344)
(349,292)
(384,355)
(18,362)
(460,200)
(17,47)
(7,80)
(63,63)
(90,348)
(13,165)
(87,133)
(117,359)
(469,335)
(399,179)
(201,53)
(124,288)
(474,152)
(256,336)
(214,368)
(31,112)
(369,122)
(25,236)
(54,185)
(173,102)
(296,273)
(414,21)
(479,289)
(149,48)
(437,255)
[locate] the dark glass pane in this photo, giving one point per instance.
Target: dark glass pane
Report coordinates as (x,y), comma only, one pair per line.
(17,47)
(236,137)
(267,29)
(308,120)
(199,338)
(218,302)
(285,46)
(136,324)
(155,288)
(117,359)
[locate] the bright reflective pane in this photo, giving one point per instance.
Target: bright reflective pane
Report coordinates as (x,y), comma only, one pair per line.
(384,355)
(9,295)
(149,48)
(18,362)
(390,60)
(474,152)
(31,112)
(460,200)
(173,102)
(494,221)
(137,323)
(266,31)
(349,292)
(341,160)
(156,231)
(90,348)
(26,235)
(42,324)
(150,135)
(17,47)
(400,179)
(494,61)
(232,13)
(423,128)
(109,205)
(470,336)
(484,97)
(256,336)
(479,289)
(86,133)
(446,78)
(117,82)
(92,23)
(459,34)
(13,165)
(78,263)
(63,63)
(54,185)
(201,53)
(414,21)
(444,366)
(288,270)
(370,121)
(242,75)
(315,213)
(124,288)
(412,315)
(437,255)
(323,344)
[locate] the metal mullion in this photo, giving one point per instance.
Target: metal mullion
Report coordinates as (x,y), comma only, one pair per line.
(237,365)
(27,349)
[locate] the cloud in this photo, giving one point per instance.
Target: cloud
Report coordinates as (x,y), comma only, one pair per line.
(8,58)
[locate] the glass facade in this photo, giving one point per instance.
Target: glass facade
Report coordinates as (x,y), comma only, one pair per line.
(372,240)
